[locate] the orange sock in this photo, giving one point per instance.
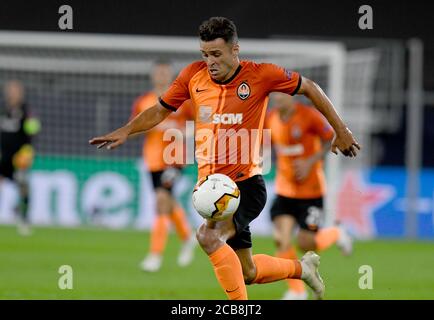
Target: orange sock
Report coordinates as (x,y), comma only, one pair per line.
(270,269)
(324,238)
(294,284)
(180,221)
(159,233)
(229,273)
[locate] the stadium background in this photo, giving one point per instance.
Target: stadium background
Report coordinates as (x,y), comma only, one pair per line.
(74,185)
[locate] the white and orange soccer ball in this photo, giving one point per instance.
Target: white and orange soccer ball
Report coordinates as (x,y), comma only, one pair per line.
(216,197)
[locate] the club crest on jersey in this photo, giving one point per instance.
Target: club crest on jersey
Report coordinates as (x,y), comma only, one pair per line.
(296,132)
(205,113)
(243,91)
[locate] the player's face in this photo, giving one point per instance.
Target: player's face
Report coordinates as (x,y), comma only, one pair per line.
(221,58)
(162,75)
(282,100)
(14,93)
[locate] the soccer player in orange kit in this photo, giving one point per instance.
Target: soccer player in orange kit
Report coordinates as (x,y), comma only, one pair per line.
(230,95)
(164,175)
(301,137)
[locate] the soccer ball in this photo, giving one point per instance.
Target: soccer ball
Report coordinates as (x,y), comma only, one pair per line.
(216,197)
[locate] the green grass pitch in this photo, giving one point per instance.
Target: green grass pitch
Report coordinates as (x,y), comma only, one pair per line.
(105,266)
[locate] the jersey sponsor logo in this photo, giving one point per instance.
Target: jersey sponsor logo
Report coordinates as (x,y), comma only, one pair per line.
(228,118)
(205,113)
(200,90)
(243,91)
(290,150)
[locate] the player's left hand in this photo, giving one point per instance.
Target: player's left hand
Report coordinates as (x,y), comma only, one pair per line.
(346,143)
(301,168)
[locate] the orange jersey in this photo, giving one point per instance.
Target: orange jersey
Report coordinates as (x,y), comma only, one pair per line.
(298,137)
(154,145)
(230,115)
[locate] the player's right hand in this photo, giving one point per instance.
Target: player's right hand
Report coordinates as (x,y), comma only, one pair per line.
(302,168)
(111,140)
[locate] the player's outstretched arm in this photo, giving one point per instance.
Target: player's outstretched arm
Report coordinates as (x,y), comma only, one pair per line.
(145,120)
(344,140)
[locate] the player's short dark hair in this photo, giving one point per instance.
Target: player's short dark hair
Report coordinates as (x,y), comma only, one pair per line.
(218,27)
(162,61)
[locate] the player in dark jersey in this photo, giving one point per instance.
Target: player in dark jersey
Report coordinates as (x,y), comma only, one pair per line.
(232,95)
(16,129)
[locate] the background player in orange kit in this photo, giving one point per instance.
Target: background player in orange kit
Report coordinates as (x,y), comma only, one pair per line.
(164,175)
(230,95)
(301,137)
